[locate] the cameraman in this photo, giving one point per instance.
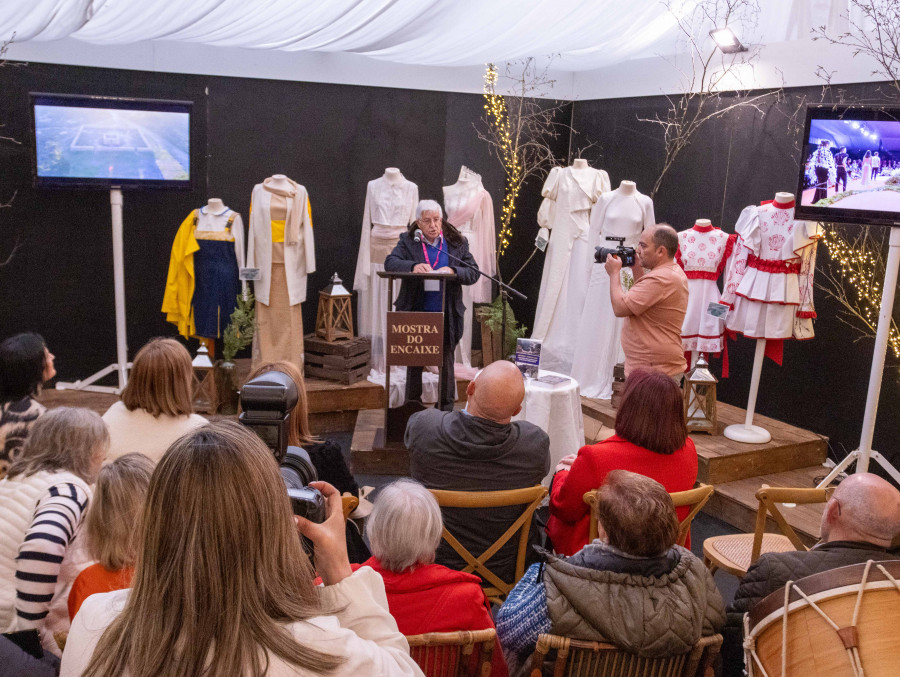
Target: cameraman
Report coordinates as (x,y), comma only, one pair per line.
(655,306)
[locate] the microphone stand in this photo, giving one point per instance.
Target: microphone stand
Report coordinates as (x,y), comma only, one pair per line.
(505,289)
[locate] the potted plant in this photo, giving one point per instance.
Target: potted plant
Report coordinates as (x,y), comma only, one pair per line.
(237,336)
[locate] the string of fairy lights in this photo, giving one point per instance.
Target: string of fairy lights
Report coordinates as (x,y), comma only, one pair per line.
(856,265)
(498,118)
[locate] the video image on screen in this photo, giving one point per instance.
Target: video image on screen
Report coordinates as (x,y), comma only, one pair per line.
(106,143)
(853,164)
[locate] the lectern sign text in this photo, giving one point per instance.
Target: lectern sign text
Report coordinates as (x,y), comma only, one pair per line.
(415,339)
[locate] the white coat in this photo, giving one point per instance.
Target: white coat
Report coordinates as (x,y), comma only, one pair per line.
(299,260)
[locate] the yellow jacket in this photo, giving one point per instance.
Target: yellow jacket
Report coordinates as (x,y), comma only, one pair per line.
(177,301)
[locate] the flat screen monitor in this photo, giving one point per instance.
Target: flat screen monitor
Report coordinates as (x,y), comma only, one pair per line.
(850,165)
(88,141)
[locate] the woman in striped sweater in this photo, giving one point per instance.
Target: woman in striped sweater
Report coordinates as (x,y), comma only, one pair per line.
(42,500)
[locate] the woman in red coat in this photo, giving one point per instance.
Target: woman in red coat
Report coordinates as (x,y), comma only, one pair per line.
(651,440)
(404,532)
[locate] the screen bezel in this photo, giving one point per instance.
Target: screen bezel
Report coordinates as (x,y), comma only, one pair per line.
(118,103)
(831,214)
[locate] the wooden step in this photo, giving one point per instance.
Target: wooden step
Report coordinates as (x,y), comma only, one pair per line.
(735,502)
(723,460)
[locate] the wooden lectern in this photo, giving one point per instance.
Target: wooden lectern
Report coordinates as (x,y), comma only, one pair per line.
(414,339)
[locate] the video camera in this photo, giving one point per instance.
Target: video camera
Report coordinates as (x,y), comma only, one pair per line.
(625,253)
(266,405)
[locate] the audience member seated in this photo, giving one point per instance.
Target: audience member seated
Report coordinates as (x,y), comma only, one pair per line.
(25,365)
(110,533)
(223,586)
(479,449)
(42,502)
(404,532)
(632,587)
(860,520)
(155,408)
(651,439)
(325,455)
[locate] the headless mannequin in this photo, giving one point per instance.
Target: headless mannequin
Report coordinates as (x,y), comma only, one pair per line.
(701,223)
(627,187)
(580,163)
(746,431)
(213,206)
(393,175)
(280,181)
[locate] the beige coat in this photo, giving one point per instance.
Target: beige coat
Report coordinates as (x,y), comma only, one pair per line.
(299,260)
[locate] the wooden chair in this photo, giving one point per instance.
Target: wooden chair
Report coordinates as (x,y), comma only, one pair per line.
(737,552)
(579,658)
(454,654)
(495,588)
(349,504)
(696,498)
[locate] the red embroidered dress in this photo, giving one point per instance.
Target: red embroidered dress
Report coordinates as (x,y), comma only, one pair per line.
(703,252)
(770,282)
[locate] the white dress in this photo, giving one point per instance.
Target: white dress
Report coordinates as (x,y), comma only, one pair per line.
(703,253)
(469,207)
(770,283)
(598,344)
(390,208)
(569,194)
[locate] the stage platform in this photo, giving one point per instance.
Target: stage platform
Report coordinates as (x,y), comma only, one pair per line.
(793,458)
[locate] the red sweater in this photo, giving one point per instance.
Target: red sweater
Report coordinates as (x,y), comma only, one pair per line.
(433,598)
(97,578)
(569,523)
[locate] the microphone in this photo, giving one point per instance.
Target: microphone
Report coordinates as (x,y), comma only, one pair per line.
(418,235)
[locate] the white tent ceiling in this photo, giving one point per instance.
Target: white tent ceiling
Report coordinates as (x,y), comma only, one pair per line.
(586,35)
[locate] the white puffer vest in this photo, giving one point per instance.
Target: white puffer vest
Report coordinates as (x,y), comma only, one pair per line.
(19,497)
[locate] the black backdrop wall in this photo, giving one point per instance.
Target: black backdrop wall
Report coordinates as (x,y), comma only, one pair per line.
(334,139)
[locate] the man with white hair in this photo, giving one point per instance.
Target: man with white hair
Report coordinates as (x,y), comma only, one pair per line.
(440,249)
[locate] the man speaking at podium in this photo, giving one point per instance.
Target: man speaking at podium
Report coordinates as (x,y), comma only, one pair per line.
(433,245)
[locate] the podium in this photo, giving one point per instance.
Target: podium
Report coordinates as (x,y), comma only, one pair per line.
(414,339)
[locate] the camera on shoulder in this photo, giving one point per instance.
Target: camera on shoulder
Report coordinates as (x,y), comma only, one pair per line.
(627,254)
(266,405)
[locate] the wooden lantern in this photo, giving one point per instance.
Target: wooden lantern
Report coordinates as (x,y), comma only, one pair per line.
(204,399)
(700,399)
(334,318)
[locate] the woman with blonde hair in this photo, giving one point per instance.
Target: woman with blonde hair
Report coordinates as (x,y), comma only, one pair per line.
(42,500)
(110,527)
(222,586)
(155,408)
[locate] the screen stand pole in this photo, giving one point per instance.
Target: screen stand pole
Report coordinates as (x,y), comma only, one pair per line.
(747,432)
(865,453)
(121,365)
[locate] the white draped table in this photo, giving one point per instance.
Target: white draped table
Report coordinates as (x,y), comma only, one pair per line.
(555,409)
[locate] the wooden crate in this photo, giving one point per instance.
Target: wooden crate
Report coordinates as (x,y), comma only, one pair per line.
(346,362)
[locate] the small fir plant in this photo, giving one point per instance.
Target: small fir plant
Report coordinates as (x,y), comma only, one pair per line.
(241,327)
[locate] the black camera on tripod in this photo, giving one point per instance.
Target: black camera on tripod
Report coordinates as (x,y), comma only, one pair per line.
(266,405)
(627,254)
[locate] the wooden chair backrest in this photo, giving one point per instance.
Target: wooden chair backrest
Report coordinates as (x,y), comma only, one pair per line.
(579,658)
(696,498)
(453,654)
(349,504)
(814,647)
(769,498)
(530,497)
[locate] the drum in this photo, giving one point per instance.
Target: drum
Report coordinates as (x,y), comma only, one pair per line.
(819,636)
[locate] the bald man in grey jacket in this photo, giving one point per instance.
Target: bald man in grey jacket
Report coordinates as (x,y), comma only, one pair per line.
(480,449)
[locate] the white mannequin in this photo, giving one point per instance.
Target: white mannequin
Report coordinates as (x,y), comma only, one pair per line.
(580,164)
(702,223)
(215,205)
(280,181)
(628,187)
(747,432)
(393,175)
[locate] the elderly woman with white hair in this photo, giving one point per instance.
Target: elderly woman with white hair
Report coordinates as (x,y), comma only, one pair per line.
(404,532)
(440,248)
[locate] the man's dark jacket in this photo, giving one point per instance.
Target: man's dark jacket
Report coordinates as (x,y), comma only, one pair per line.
(460,452)
(407,253)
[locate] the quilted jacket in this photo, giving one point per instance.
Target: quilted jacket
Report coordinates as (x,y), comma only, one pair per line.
(649,606)
(772,571)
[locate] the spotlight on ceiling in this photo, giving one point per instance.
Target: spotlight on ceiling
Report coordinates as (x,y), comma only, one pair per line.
(855,125)
(727,41)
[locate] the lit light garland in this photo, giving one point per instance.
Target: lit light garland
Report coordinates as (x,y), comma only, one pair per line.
(856,265)
(498,117)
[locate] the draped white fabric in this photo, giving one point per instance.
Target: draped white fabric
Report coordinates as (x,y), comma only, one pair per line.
(592,33)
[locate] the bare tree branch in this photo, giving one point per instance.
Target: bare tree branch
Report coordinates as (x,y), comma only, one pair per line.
(19,238)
